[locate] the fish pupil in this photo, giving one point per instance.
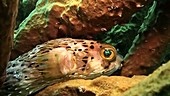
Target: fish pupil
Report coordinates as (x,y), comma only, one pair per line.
(107,53)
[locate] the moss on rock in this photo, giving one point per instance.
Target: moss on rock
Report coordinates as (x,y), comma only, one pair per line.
(157,84)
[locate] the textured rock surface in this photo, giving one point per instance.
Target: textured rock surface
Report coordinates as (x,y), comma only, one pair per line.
(146,57)
(157,84)
(101,86)
(72,18)
(8,12)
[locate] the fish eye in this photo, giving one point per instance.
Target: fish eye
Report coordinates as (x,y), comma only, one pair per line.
(108,53)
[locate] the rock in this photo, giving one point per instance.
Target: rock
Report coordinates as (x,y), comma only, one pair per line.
(124,36)
(147,55)
(101,86)
(72,18)
(8,13)
(157,84)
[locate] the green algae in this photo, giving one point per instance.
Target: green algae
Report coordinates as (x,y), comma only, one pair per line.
(126,37)
(148,21)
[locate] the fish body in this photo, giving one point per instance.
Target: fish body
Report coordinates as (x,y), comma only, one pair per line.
(57,60)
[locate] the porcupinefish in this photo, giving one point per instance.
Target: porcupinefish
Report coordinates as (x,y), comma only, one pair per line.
(59,59)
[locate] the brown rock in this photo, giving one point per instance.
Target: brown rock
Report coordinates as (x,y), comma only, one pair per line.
(72,18)
(147,55)
(101,86)
(8,12)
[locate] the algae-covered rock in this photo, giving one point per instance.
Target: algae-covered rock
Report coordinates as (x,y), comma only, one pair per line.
(144,41)
(122,36)
(24,9)
(101,86)
(157,84)
(72,18)
(146,56)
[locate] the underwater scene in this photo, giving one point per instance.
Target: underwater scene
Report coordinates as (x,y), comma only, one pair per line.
(84,47)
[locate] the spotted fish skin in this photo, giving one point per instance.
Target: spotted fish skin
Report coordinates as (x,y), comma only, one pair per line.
(57,60)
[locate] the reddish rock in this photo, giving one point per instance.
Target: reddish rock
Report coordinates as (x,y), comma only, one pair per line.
(79,19)
(147,55)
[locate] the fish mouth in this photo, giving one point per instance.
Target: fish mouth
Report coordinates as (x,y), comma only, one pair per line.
(101,73)
(114,66)
(111,71)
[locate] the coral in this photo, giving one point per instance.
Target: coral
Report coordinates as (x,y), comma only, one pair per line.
(72,18)
(8,12)
(101,86)
(157,84)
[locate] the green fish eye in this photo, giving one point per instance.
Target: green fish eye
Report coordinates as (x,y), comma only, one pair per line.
(107,53)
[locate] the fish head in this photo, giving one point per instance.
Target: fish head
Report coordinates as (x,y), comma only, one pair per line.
(95,60)
(106,60)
